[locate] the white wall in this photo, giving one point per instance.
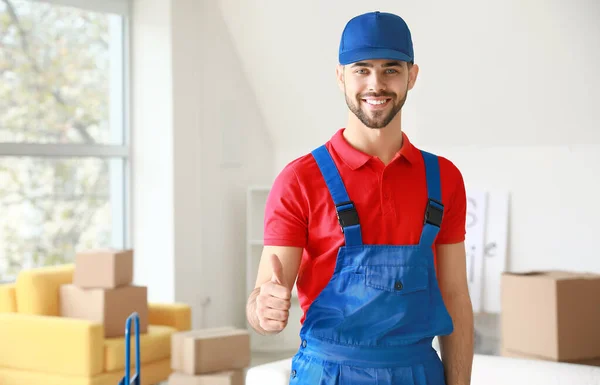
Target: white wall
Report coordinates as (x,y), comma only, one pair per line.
(492,73)
(152,150)
(508,90)
(199,141)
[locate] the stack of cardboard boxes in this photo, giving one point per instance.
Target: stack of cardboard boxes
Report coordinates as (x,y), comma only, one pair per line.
(102,291)
(215,356)
(551,315)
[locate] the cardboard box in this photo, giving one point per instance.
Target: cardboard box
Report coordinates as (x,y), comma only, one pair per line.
(234,377)
(509,353)
(110,307)
(107,269)
(210,350)
(553,315)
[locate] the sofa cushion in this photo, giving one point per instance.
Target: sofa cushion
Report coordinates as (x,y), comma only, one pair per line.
(8,299)
(37,289)
(154,345)
(152,373)
(70,347)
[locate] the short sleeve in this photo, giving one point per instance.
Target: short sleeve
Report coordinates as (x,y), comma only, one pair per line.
(286,212)
(453,229)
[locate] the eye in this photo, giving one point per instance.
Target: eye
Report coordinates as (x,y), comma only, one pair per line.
(361,71)
(391,71)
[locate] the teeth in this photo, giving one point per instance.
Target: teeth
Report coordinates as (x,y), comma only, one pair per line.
(375,102)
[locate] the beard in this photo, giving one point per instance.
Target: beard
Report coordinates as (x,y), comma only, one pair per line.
(376,119)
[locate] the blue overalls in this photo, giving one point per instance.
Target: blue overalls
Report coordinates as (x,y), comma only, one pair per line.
(375,321)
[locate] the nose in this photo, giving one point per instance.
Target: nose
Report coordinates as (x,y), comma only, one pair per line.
(376,83)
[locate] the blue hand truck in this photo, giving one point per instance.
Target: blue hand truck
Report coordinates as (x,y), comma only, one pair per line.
(135,380)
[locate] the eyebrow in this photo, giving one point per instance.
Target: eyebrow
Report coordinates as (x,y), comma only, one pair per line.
(388,64)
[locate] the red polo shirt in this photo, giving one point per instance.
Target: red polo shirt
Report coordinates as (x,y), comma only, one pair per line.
(390,201)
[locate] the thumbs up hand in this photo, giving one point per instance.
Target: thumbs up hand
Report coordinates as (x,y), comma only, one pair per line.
(273,301)
(278,277)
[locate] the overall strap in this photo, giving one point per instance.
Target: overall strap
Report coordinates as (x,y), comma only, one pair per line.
(346,211)
(435,209)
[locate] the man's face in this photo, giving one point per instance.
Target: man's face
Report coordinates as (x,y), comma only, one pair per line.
(375,90)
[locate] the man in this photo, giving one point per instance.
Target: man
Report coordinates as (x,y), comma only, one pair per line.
(373,230)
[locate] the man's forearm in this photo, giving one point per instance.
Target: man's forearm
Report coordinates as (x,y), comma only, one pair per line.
(457,348)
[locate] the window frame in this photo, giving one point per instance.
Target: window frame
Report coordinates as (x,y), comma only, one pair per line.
(119,7)
(123,207)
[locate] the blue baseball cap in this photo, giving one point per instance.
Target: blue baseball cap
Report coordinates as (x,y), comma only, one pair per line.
(376,35)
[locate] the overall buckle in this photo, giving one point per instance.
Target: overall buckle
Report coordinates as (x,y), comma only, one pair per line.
(347,216)
(434,212)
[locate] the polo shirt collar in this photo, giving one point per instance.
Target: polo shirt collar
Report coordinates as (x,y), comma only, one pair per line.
(356,159)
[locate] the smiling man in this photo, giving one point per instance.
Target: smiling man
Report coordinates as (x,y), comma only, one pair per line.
(371,229)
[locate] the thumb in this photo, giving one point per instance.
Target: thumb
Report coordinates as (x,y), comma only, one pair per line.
(277,276)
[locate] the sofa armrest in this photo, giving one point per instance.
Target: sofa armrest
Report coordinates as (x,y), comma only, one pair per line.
(8,298)
(51,344)
(177,315)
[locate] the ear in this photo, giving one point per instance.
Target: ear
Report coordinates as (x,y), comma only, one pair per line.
(412,76)
(339,75)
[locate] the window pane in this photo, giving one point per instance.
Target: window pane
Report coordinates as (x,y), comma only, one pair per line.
(53,207)
(61,74)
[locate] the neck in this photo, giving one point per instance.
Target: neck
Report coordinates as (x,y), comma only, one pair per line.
(384,143)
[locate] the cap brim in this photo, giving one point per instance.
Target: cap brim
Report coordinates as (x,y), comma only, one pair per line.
(372,54)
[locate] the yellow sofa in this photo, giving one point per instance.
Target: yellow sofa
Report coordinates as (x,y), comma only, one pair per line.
(37,346)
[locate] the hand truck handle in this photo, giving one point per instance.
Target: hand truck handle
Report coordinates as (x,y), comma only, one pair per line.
(136,378)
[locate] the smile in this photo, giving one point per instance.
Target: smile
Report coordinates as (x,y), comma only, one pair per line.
(377,103)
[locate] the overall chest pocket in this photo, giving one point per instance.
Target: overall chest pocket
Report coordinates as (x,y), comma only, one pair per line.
(398,280)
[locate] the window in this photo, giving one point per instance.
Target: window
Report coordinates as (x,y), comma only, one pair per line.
(64,139)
